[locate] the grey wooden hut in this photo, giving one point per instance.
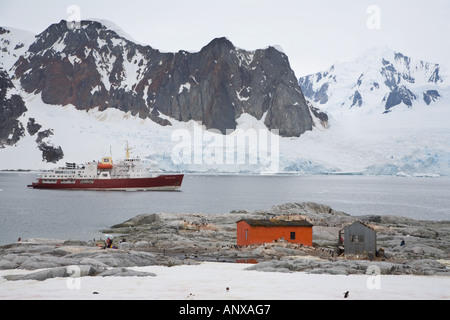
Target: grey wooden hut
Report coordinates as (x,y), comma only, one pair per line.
(358,238)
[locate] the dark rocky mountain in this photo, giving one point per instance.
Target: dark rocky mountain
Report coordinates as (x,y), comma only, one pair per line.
(378,78)
(94,66)
(11,108)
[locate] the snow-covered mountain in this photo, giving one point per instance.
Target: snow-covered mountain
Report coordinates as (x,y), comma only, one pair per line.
(96,67)
(378,80)
(13,43)
(87,93)
(387,114)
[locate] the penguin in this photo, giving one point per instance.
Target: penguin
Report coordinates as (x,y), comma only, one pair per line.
(190,296)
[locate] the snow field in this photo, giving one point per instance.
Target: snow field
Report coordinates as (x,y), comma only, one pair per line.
(209,280)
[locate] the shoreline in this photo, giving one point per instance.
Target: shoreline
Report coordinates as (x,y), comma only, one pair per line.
(190,238)
(280,173)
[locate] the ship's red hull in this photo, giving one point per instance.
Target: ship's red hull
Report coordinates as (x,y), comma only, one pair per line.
(162,182)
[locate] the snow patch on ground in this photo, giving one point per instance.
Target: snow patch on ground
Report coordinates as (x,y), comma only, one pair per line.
(186,86)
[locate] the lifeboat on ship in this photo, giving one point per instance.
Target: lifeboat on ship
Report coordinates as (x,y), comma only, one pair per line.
(106,163)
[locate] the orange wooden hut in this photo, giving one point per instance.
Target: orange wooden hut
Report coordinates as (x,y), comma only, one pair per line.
(254,231)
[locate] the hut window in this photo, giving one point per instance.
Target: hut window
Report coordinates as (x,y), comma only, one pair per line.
(246,234)
(292,235)
(354,238)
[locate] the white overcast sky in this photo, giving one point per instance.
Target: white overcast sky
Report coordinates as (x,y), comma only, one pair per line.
(314,34)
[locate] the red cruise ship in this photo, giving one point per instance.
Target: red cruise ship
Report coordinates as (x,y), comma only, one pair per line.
(128,174)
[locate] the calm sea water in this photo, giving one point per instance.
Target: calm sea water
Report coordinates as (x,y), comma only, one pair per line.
(65,214)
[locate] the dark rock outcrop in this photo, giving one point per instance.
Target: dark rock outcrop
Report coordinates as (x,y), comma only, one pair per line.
(33,127)
(399,95)
(430,96)
(50,153)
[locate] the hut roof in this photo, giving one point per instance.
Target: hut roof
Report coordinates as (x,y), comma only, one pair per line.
(360,222)
(277,223)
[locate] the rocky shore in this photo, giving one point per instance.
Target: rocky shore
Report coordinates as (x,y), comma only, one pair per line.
(174,239)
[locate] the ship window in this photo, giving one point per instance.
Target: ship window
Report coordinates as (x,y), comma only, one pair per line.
(49,181)
(68,181)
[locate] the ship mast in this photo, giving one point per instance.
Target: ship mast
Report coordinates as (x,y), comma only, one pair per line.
(128,151)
